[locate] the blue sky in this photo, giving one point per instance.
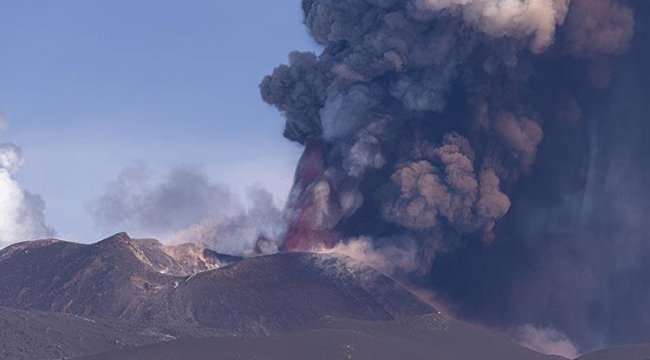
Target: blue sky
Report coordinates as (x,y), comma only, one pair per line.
(92,86)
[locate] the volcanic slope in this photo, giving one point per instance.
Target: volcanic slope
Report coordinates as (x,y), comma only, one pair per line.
(423,337)
(137,280)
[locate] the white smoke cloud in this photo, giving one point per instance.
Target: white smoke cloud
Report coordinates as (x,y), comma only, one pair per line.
(185,206)
(255,229)
(21,212)
(537,19)
(11,157)
(546,340)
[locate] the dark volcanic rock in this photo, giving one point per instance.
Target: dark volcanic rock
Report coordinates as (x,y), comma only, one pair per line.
(140,280)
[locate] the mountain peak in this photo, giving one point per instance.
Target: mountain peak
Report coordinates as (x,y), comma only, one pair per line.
(119,237)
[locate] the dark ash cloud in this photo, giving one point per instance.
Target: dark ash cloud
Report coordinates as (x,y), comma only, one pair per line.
(489,133)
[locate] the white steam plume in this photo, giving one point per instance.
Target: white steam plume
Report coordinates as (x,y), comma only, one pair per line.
(21,212)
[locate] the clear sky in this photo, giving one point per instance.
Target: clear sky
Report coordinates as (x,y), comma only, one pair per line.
(92,86)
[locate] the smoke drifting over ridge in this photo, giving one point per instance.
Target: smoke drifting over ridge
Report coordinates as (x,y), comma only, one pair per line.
(21,212)
(453,125)
(185,206)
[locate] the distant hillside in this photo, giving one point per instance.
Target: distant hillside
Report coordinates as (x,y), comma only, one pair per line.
(30,334)
(424,337)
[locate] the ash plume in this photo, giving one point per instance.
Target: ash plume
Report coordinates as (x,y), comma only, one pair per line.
(21,212)
(389,259)
(474,129)
(185,206)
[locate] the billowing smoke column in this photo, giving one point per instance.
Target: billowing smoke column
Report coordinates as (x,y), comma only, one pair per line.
(21,212)
(422,113)
(437,124)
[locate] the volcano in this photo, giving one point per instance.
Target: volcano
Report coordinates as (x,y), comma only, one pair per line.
(137,280)
(125,298)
